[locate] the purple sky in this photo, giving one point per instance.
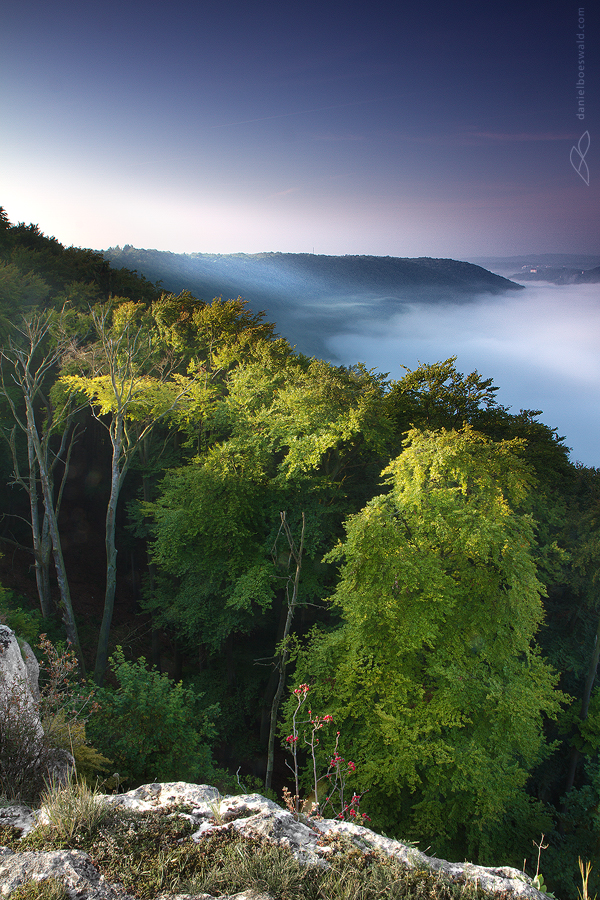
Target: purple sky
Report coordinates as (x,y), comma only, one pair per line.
(365,128)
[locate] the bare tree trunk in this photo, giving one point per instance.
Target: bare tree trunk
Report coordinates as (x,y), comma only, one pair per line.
(42,583)
(30,376)
(41,545)
(116,479)
(66,606)
(296,555)
(144,451)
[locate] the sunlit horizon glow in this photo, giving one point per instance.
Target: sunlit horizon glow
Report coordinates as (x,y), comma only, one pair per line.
(237,128)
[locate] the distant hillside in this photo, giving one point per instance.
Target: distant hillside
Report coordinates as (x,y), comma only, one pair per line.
(563,275)
(310,296)
(508,265)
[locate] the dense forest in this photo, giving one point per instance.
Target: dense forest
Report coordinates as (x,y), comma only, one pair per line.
(259,560)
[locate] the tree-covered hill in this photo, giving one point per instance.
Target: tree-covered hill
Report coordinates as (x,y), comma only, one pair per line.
(37,271)
(310,296)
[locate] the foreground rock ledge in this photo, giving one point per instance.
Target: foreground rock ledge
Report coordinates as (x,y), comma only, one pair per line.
(252,815)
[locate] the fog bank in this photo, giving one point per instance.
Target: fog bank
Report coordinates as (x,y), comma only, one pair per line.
(541,347)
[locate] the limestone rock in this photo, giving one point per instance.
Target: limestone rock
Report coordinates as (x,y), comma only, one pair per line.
(33,670)
(18,816)
(16,697)
(81,879)
(19,708)
(254,816)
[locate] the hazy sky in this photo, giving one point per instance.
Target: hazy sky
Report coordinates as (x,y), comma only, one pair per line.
(442,129)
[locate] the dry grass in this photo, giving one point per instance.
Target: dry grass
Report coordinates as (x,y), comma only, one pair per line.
(48,889)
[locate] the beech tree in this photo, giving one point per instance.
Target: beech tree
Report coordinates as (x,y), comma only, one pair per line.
(138,372)
(434,679)
(287,427)
(129,391)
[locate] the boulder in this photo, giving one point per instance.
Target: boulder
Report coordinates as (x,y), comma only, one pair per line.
(16,697)
(81,878)
(254,816)
(18,816)
(33,670)
(20,720)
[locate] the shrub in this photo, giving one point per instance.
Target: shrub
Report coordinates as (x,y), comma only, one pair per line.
(152,728)
(27,755)
(71,736)
(66,703)
(26,623)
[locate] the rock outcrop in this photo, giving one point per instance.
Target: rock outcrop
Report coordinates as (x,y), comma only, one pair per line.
(81,879)
(252,815)
(16,696)
(19,712)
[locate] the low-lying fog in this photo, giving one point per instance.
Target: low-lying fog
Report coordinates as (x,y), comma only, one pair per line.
(541,346)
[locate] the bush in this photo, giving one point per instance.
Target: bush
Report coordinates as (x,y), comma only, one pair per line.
(152,728)
(29,755)
(25,623)
(66,704)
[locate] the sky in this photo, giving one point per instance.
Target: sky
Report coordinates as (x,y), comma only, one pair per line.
(362,128)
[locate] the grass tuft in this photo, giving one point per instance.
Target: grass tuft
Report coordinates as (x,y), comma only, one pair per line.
(72,808)
(48,889)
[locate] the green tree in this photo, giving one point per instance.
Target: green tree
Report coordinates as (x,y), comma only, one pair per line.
(129,391)
(284,435)
(151,728)
(19,294)
(434,679)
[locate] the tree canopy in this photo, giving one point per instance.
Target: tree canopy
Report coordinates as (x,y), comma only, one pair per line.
(434,678)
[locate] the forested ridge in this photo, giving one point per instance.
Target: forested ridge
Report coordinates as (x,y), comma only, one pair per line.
(311,296)
(211,519)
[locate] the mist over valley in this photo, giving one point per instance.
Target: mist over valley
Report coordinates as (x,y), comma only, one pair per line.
(538,340)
